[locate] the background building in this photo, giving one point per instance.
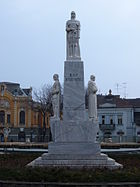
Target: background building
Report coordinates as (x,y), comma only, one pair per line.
(119,118)
(20,115)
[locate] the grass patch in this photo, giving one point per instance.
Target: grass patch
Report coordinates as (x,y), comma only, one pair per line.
(12,167)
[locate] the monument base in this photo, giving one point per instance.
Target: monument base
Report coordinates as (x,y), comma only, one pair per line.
(74,146)
(77,161)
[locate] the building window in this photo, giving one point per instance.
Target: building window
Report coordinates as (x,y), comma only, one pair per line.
(120,133)
(107,135)
(137,118)
(8,118)
(2,117)
(103,119)
(119,119)
(111,120)
(22,117)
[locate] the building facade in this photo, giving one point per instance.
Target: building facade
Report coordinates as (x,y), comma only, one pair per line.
(22,120)
(119,118)
(20,116)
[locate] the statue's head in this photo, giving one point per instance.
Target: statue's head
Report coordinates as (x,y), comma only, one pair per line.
(92,77)
(73,15)
(55,77)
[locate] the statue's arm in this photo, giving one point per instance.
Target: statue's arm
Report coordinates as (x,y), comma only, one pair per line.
(95,89)
(68,28)
(92,88)
(56,89)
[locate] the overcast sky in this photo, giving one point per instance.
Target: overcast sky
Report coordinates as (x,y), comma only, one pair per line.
(32,42)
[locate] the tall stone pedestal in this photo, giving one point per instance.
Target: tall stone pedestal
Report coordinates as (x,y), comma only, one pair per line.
(74,91)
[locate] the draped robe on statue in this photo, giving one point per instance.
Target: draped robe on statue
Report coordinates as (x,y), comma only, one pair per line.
(92,99)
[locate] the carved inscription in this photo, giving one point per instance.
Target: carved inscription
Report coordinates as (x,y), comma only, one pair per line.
(73,77)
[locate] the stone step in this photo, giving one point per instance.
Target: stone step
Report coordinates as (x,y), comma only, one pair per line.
(73,156)
(76,163)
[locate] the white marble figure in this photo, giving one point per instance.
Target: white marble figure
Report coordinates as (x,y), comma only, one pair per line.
(56,94)
(92,99)
(73,35)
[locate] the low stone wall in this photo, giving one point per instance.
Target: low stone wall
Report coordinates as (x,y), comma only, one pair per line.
(119,145)
(24,145)
(52,184)
(44,145)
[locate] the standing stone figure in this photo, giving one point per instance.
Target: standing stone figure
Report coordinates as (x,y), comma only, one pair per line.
(92,98)
(73,35)
(56,94)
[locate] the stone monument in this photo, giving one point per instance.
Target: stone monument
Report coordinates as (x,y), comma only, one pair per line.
(74,137)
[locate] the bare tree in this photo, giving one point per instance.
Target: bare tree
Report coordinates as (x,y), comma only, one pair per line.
(43,97)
